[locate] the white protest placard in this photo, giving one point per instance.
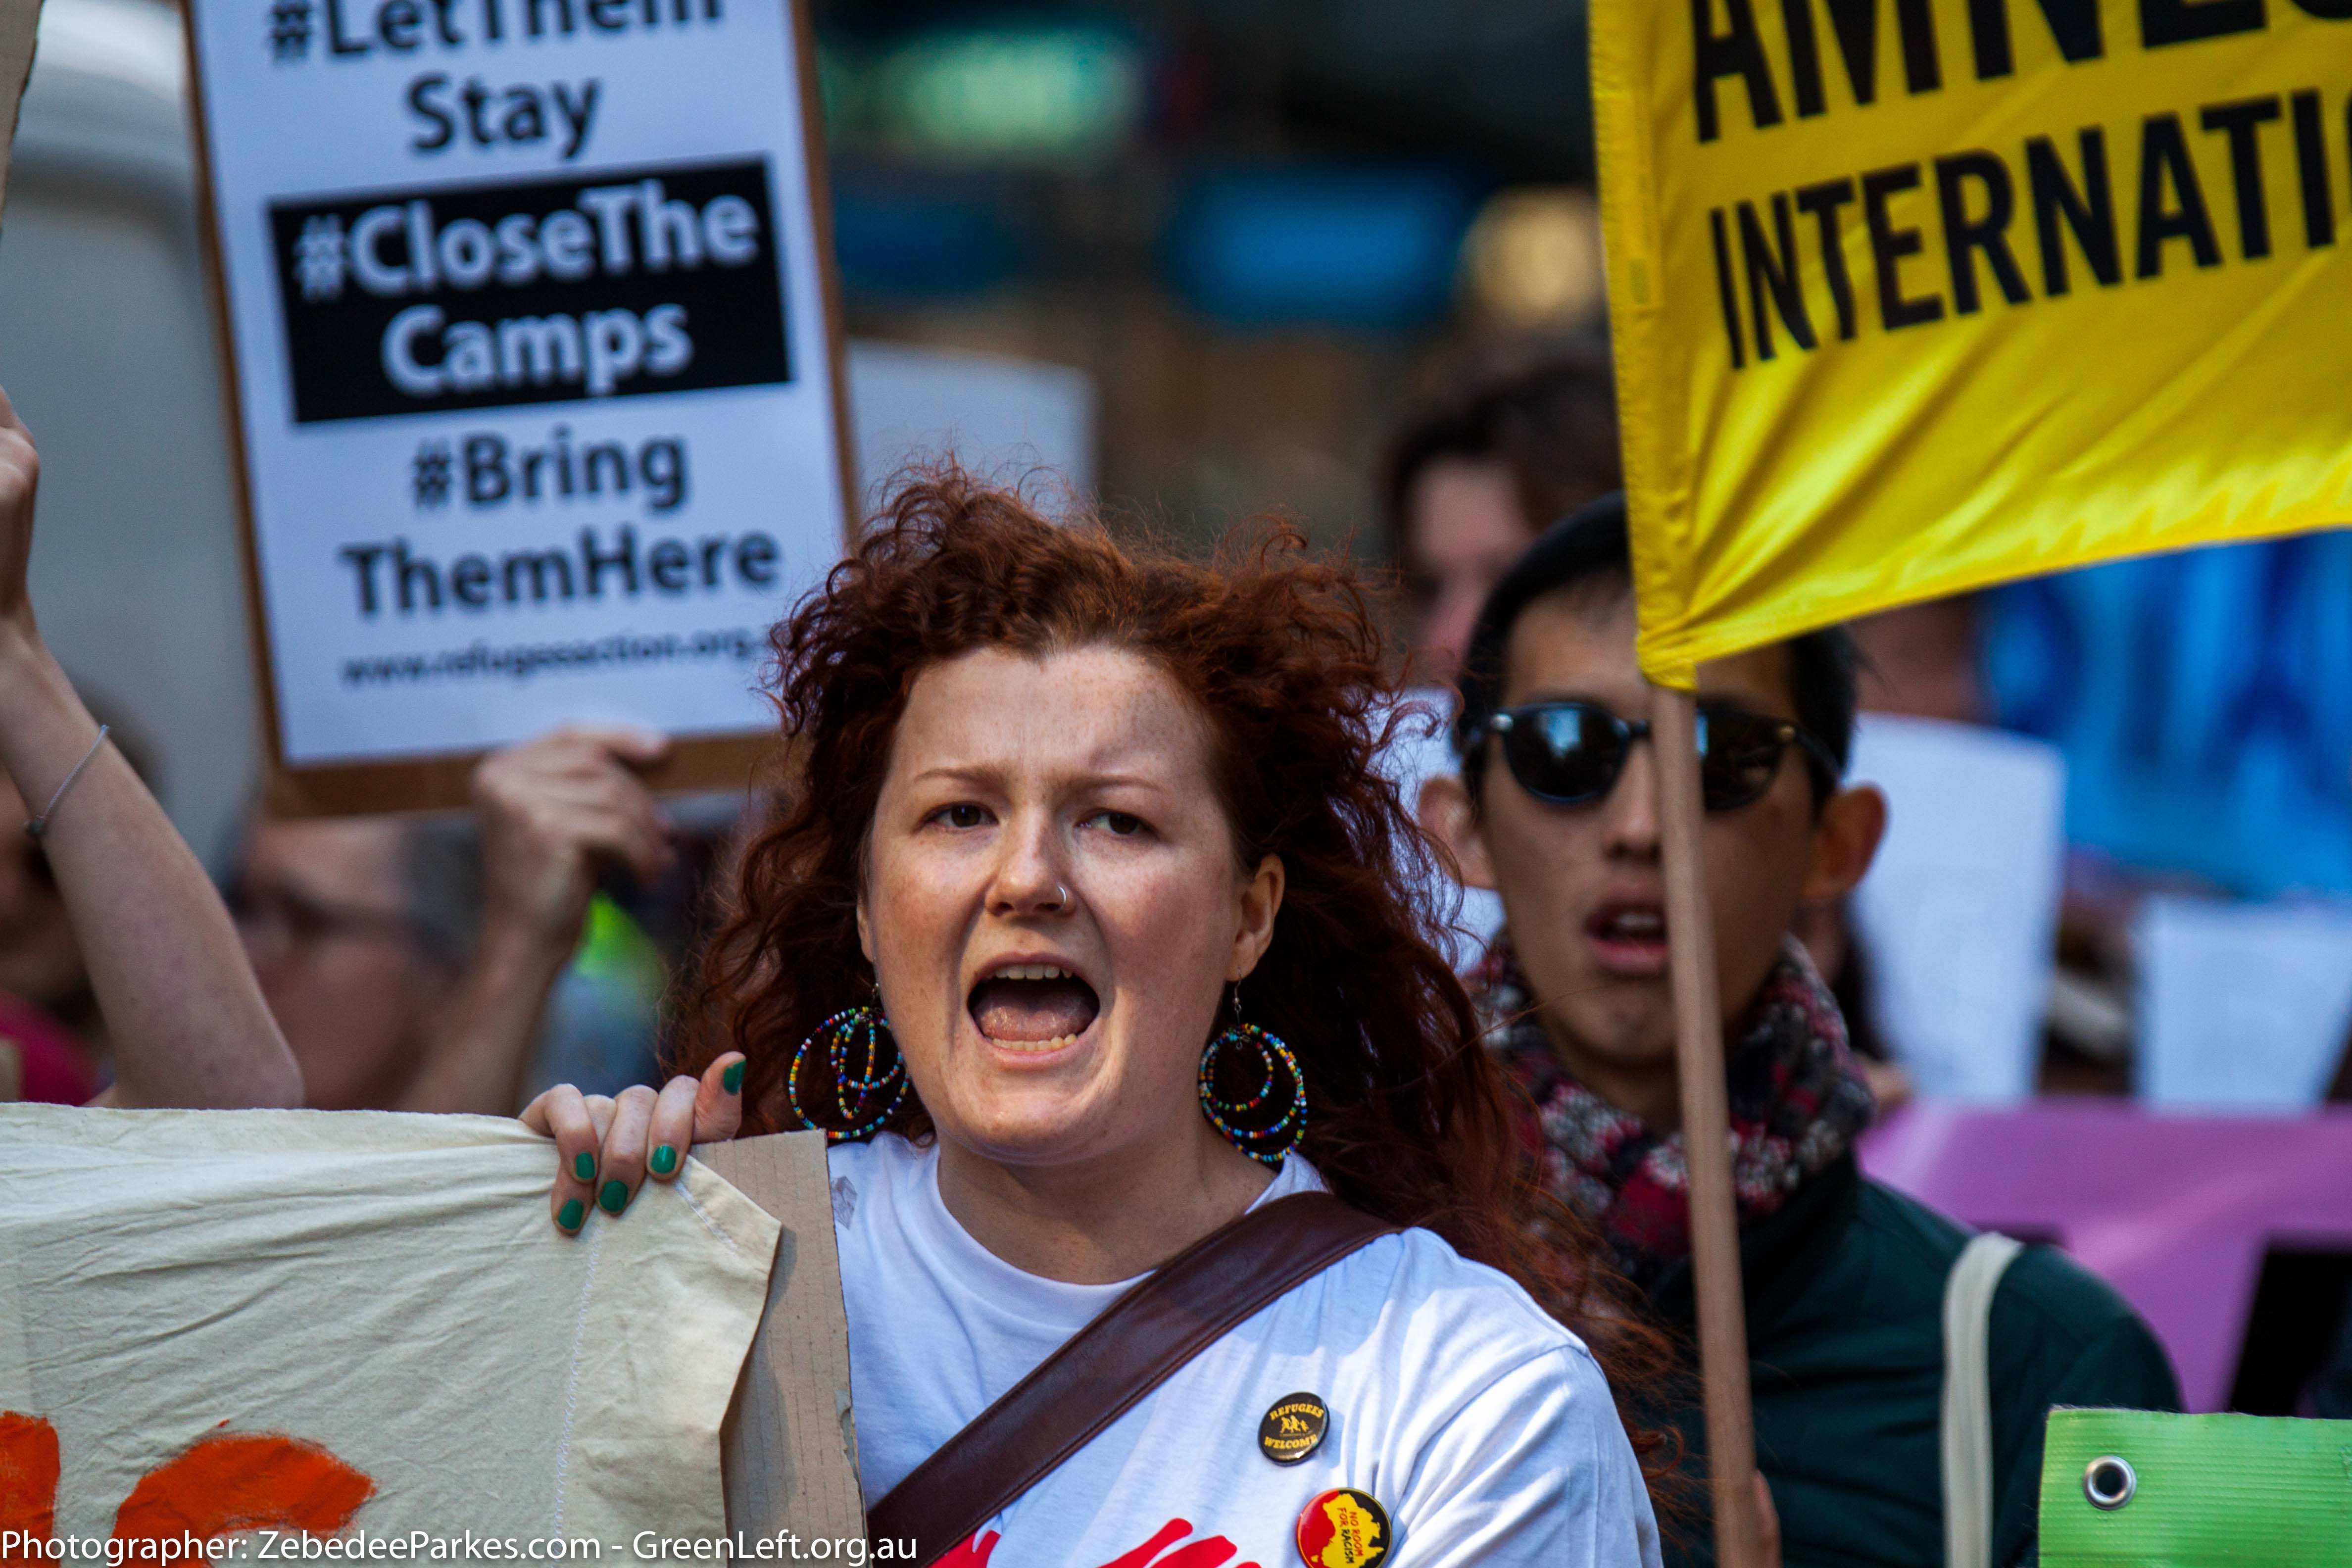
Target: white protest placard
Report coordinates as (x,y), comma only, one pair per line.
(2242,1007)
(1959,915)
(535,365)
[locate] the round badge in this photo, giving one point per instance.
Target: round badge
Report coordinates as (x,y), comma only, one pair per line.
(1343,1529)
(1293,1429)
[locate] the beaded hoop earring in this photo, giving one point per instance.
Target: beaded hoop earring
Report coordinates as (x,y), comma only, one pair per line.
(852,1092)
(1265,1144)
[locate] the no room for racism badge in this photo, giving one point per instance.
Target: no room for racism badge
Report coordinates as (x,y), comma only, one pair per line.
(1343,1529)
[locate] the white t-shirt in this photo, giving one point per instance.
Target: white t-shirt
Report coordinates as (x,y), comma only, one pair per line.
(1483,1427)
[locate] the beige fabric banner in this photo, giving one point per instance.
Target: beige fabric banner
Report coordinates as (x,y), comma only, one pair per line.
(235,1320)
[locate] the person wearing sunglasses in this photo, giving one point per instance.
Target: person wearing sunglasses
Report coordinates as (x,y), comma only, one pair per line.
(1555,810)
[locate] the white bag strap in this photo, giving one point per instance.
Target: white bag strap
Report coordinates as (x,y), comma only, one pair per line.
(1967,1399)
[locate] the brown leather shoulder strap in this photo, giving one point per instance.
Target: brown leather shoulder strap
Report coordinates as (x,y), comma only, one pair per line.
(1136,1344)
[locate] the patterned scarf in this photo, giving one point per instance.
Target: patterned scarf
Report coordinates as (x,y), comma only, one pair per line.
(1797,1104)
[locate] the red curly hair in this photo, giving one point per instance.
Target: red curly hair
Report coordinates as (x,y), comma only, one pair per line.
(1407,1116)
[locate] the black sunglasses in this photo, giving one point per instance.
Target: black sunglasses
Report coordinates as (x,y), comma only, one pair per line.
(1572,753)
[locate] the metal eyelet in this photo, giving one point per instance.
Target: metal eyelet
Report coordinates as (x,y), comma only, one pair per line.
(2109,1481)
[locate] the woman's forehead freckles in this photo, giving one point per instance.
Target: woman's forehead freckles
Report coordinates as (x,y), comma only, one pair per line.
(1095,710)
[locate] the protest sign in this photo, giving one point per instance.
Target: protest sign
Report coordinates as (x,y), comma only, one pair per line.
(1915,297)
(1958,920)
(19,21)
(367,1323)
(2193,1491)
(1911,298)
(535,370)
(2204,703)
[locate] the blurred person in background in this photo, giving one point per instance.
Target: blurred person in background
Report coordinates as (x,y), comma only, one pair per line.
(1555,809)
(409,960)
(1526,432)
(1522,431)
(1926,661)
(1922,661)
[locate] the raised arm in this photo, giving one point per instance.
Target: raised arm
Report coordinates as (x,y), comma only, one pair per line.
(183,1010)
(551,810)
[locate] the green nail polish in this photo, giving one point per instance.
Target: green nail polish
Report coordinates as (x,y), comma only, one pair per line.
(665,1160)
(584,1166)
(615,1197)
(570,1216)
(732,1078)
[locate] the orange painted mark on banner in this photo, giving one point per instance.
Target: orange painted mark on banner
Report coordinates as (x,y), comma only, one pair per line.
(239,1481)
(28,1479)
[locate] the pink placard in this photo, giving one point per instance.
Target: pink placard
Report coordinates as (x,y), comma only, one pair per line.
(2176,1212)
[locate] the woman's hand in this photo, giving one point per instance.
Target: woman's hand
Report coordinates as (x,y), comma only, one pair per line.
(606,1146)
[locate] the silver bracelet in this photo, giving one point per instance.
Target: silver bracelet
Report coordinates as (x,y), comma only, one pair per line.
(41,825)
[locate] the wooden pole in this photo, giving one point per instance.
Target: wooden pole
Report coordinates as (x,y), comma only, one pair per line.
(1706,1133)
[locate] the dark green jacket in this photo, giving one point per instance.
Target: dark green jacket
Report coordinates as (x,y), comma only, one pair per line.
(1845,1344)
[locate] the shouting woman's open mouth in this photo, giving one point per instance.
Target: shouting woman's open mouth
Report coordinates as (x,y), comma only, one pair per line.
(1033,1006)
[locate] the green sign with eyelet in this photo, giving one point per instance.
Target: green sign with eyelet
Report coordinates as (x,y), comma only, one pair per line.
(2135,1488)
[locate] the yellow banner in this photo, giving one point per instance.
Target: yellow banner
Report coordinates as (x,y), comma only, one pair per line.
(1914,296)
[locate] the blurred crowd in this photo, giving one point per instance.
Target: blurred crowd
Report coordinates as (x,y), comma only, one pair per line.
(462,961)
(548,934)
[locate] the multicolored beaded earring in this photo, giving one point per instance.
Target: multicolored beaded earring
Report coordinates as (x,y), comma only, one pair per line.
(1265,1144)
(853,1091)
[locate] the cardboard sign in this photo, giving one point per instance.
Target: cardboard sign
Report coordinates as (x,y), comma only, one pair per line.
(790,1443)
(20,20)
(1916,296)
(366,1322)
(2176,1212)
(535,370)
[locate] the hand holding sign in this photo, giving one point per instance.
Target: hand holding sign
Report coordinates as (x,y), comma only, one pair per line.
(604,1147)
(552,810)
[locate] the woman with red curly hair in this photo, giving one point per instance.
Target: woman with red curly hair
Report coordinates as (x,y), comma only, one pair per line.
(1083,931)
